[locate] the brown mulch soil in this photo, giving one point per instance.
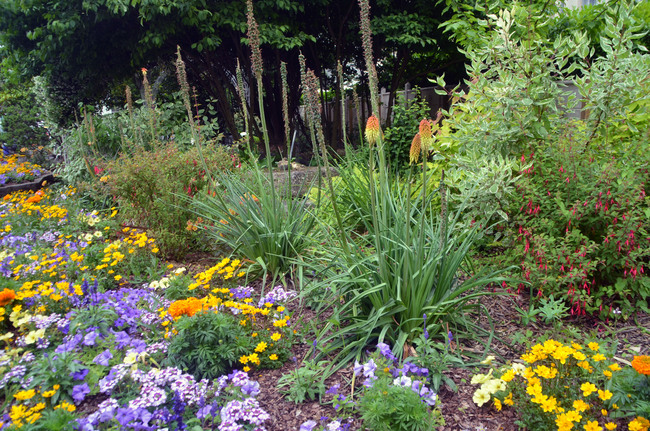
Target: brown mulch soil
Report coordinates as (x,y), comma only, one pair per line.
(458,410)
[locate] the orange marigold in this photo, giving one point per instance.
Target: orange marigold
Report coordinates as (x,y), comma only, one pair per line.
(187,307)
(642,364)
(6,296)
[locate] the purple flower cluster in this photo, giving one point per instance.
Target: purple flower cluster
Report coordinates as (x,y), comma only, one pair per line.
(247,411)
(277,295)
(14,375)
(409,375)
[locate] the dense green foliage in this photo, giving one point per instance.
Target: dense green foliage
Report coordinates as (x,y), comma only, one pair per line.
(208,344)
(579,218)
(153,189)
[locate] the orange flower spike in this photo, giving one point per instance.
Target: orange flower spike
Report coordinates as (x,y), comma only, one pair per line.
(414,154)
(426,135)
(372,130)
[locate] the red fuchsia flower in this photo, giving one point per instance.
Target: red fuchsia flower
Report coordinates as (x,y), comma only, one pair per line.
(373,130)
(98,170)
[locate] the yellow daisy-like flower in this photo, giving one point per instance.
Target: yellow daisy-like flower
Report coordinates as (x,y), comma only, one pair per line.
(580,406)
(25,395)
(610,426)
(594,346)
(614,367)
(593,426)
(588,388)
(275,336)
(599,357)
(261,347)
(497,405)
(604,395)
(243,359)
(273,357)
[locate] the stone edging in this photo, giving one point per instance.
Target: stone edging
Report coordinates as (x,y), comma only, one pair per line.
(33,185)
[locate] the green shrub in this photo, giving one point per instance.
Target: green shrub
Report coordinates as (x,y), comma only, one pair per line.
(152,189)
(580,213)
(208,344)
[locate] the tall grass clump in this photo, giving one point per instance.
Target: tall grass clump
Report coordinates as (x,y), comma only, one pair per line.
(248,214)
(409,271)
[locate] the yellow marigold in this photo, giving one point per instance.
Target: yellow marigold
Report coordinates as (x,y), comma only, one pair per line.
(261,347)
(6,296)
(508,400)
(25,395)
(275,336)
(273,357)
(642,364)
(593,346)
(614,367)
(598,357)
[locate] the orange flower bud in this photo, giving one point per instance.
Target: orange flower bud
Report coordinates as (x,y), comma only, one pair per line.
(426,136)
(372,130)
(414,154)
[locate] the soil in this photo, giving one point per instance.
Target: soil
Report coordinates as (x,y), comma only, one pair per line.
(458,410)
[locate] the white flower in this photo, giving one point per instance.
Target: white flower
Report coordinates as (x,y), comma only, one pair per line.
(334,426)
(403,381)
(481,378)
(481,397)
(98,234)
(518,368)
(488,360)
(179,271)
(33,336)
(7,336)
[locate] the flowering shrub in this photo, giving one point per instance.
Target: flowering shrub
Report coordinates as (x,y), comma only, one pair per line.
(583,230)
(558,387)
(153,189)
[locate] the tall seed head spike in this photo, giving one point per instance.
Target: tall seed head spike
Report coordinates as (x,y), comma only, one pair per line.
(254,39)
